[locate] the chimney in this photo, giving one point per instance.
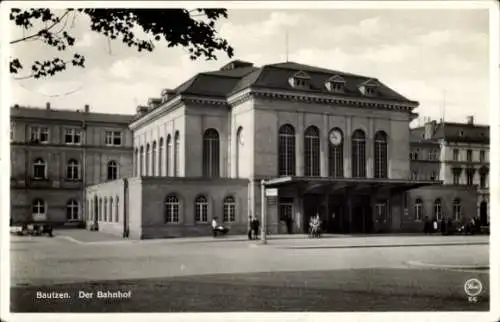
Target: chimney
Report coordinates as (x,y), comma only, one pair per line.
(470,120)
(429,129)
(87,108)
(47,105)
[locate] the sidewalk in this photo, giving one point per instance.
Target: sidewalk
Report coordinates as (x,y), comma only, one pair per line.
(295,241)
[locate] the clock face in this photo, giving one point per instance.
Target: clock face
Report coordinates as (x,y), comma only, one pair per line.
(335,137)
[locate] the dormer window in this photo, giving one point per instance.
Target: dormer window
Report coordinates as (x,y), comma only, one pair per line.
(166,94)
(369,88)
(335,84)
(461,133)
(300,80)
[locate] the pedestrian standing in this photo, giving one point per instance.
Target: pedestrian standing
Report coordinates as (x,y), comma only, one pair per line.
(214,226)
(250,221)
(255,228)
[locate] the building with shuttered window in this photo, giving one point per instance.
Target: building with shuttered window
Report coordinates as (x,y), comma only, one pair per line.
(330,143)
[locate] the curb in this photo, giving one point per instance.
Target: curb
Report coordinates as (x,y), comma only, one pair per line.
(445,266)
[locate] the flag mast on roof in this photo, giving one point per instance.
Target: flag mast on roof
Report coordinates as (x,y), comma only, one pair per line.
(286,45)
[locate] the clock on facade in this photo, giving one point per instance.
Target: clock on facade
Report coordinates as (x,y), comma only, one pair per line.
(335,137)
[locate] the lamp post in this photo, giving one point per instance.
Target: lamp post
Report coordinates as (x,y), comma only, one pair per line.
(263,211)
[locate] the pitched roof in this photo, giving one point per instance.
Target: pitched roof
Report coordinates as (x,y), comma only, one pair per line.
(454,132)
(238,75)
(67,115)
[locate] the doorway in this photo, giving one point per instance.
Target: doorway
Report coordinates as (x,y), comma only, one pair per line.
(483,213)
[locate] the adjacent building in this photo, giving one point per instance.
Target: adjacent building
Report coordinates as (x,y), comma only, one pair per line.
(458,155)
(56,153)
(324,142)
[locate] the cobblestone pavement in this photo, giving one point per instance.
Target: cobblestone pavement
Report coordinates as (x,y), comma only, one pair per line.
(303,269)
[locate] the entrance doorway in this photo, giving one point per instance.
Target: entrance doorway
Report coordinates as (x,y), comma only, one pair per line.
(286,213)
(483,213)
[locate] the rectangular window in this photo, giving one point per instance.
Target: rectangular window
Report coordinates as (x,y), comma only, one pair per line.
(39,134)
(482,181)
(11,132)
(72,136)
(470,177)
(455,155)
(113,138)
(469,155)
(482,156)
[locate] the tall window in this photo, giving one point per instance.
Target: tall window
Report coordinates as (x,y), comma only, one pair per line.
(171,209)
(311,152)
(201,210)
(358,154)
(153,160)
(240,141)
(39,134)
(113,138)
(380,155)
(160,157)
(72,136)
(482,156)
(39,169)
(73,170)
(469,155)
(470,176)
(117,210)
(457,209)
(168,157)
(437,209)
(414,175)
(12,131)
(112,170)
(105,209)
(457,172)
(455,155)
(111,209)
(141,162)
(336,154)
(418,209)
(229,210)
(136,162)
(177,157)
(211,151)
(72,210)
(483,172)
(286,150)
(38,209)
(148,159)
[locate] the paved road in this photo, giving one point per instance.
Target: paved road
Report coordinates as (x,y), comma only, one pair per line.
(286,275)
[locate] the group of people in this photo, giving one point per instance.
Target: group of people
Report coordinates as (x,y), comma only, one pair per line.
(447,227)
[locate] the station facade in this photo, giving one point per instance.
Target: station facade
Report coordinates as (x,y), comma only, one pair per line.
(330,143)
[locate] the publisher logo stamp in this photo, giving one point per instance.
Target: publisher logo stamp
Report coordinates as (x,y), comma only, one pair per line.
(473,288)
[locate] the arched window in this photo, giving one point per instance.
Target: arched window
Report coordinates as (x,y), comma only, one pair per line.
(358,154)
(286,157)
(177,158)
(111,209)
(311,152)
(141,162)
(39,209)
(39,169)
(153,160)
(160,158)
(201,210)
(72,210)
(418,209)
(336,154)
(148,158)
(73,170)
(136,162)
(171,209)
(380,155)
(437,209)
(229,210)
(105,209)
(457,209)
(168,157)
(211,153)
(112,170)
(117,209)
(240,142)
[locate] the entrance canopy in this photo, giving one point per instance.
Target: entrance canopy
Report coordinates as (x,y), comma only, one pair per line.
(332,185)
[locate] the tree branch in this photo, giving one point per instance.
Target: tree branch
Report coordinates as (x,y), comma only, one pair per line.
(46,29)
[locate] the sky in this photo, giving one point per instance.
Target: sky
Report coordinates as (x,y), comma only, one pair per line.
(438,57)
